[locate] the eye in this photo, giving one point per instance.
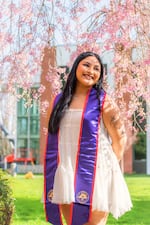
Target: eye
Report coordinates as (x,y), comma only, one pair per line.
(97,69)
(86,64)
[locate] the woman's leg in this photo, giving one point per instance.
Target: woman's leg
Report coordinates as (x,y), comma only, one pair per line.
(98,218)
(66,212)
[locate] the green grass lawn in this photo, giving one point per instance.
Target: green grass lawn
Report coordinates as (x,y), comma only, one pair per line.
(29,209)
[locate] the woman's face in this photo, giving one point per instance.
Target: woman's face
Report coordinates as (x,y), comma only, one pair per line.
(88,71)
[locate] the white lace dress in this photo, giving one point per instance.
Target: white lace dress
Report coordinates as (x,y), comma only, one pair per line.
(110,190)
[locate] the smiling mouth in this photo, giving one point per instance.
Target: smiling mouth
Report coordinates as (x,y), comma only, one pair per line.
(88,77)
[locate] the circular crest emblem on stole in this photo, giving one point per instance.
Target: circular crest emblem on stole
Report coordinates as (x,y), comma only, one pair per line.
(82,197)
(50,195)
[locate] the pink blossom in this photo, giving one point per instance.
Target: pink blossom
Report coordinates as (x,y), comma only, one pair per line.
(44,106)
(41,89)
(123,26)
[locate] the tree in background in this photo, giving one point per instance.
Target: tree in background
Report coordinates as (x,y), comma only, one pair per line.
(121,27)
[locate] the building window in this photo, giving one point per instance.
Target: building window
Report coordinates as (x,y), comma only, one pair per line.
(28,130)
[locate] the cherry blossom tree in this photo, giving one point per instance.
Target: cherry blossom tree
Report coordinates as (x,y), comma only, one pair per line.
(120,26)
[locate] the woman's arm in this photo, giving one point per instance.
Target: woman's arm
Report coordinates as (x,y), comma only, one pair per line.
(115,126)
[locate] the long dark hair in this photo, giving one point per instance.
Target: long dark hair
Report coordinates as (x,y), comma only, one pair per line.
(68,91)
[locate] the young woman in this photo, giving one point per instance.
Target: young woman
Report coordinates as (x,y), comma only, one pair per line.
(86,140)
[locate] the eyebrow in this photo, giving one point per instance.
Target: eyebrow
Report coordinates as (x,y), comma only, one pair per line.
(90,63)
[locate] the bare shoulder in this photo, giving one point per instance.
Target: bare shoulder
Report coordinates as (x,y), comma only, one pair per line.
(111,113)
(114,125)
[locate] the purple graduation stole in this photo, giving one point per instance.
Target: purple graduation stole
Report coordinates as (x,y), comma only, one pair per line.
(85,164)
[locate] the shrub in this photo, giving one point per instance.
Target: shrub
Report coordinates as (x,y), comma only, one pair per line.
(140,146)
(6,199)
